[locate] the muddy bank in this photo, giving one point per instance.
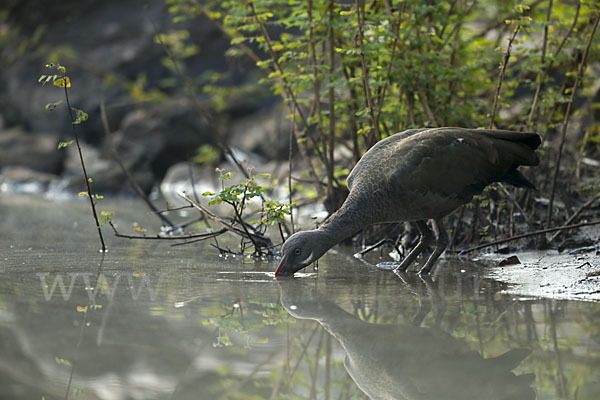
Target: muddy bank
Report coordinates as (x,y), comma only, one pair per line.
(549,274)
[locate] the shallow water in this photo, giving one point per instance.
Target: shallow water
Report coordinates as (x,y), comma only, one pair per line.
(150,321)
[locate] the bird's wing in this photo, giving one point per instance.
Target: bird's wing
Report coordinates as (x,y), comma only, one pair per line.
(531,139)
(384,145)
(455,162)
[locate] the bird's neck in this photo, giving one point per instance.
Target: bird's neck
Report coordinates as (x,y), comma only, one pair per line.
(345,222)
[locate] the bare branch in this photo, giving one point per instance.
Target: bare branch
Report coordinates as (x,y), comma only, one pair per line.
(501,75)
(565,122)
(529,234)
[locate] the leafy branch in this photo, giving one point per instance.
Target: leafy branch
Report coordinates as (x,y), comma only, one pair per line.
(59,78)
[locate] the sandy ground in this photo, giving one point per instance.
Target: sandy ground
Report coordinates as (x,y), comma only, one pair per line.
(550,274)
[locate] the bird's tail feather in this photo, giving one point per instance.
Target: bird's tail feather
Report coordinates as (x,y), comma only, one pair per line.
(516,178)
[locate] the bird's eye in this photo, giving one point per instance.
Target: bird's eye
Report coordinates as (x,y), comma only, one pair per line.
(297,251)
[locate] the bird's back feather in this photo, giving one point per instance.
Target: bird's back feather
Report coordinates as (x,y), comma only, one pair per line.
(441,168)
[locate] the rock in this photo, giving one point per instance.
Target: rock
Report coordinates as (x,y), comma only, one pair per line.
(265,133)
(512,260)
(119,63)
(160,136)
(36,152)
(24,180)
(178,179)
(106,174)
(206,179)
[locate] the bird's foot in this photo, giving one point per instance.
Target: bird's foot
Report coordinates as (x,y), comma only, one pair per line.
(388,265)
(393,266)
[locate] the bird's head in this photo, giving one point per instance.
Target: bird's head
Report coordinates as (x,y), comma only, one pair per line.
(301,249)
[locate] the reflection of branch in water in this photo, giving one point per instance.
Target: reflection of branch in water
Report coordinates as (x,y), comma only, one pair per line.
(562,379)
(530,323)
(312,370)
(85,311)
(250,376)
(327,366)
(301,356)
(191,364)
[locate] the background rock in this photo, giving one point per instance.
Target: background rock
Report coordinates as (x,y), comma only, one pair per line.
(112,57)
(37,152)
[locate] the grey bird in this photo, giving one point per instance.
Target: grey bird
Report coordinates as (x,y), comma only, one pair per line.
(417,175)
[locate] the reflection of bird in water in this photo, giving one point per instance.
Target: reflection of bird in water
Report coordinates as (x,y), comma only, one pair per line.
(417,175)
(410,362)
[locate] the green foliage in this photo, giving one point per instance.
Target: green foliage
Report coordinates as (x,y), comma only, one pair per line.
(177,48)
(237,195)
(417,55)
(275,212)
(80,116)
(138,90)
(357,75)
(52,106)
(106,217)
(64,144)
(60,79)
(206,154)
(62,361)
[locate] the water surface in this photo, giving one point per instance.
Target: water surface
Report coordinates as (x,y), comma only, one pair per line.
(151,321)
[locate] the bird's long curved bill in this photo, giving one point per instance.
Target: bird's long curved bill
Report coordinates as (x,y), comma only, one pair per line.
(280,267)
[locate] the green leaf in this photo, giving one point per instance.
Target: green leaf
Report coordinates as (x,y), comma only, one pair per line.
(52,106)
(62,361)
(64,144)
(60,82)
(81,116)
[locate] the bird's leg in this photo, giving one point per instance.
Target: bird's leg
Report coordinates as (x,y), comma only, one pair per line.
(424,241)
(440,245)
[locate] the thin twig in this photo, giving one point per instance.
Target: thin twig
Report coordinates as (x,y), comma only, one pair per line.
(202,236)
(85,175)
(290,165)
(426,107)
(248,52)
(576,214)
(516,203)
(542,77)
(352,114)
(134,185)
(317,84)
(495,26)
(360,18)
(456,227)
(287,92)
(529,234)
(259,239)
(379,244)
(501,75)
(185,78)
(278,68)
(395,25)
(565,122)
(331,162)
